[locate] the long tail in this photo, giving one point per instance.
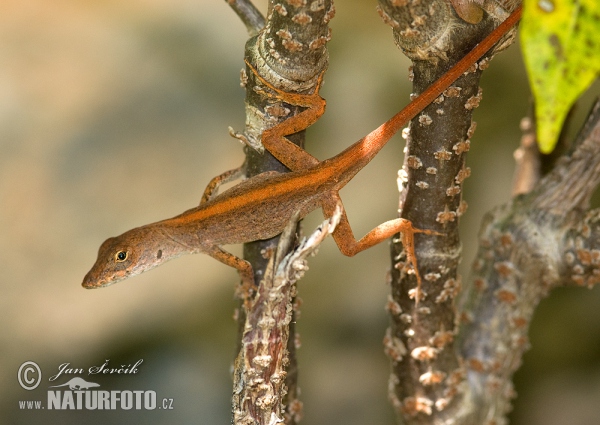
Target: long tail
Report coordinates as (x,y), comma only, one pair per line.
(372,143)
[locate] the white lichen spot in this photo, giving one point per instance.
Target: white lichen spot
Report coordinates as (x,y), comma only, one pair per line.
(439,99)
(431,170)
(319,42)
(480,284)
(424,405)
(405,133)
(275,54)
(424,353)
(450,290)
(419,20)
(413,96)
(432,377)
(412,293)
(432,277)
(412,406)
(519,322)
(243,78)
(422,185)
(471,129)
(302,19)
(425,120)
(414,162)
(506,295)
(409,333)
(441,404)
(439,111)
(292,45)
(504,268)
(462,208)
(461,147)
(387,19)
(262,361)
(464,173)
(409,32)
(473,101)
(394,348)
(317,5)
(441,338)
(406,318)
(484,64)
(471,69)
(570,258)
(445,216)
(452,91)
(453,190)
(442,155)
(329,15)
(392,306)
(475,365)
(424,311)
(595,256)
(277,110)
(411,73)
(584,256)
(296,3)
(402,178)
(279,8)
(284,34)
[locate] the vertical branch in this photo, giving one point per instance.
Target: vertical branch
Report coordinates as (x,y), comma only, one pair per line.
(262,363)
(290,53)
(427,375)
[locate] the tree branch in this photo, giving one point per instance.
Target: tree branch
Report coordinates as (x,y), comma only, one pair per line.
(262,363)
(290,53)
(427,375)
(249,14)
(527,247)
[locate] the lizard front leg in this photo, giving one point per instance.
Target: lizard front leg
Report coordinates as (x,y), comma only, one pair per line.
(292,156)
(243,267)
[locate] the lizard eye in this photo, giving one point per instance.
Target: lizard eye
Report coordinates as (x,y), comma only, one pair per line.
(121,256)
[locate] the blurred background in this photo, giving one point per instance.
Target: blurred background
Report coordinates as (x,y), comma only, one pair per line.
(114,114)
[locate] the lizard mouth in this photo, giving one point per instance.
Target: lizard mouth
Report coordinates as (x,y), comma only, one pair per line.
(92,282)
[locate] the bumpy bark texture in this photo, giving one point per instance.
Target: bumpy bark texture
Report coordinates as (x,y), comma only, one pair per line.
(290,53)
(527,247)
(427,384)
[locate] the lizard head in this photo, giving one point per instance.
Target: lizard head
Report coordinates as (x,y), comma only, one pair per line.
(124,256)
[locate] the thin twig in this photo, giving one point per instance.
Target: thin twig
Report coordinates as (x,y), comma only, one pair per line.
(249,14)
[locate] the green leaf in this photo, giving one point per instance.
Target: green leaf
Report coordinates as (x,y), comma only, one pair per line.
(560,40)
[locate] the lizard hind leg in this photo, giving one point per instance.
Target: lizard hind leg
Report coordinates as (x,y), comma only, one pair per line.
(349,246)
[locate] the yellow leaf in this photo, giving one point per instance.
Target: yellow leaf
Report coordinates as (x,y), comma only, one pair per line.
(560,40)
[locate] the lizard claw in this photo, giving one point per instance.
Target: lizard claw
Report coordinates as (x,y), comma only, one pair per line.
(247,140)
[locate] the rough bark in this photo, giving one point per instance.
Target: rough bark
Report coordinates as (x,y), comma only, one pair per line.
(262,364)
(428,375)
(527,247)
(290,53)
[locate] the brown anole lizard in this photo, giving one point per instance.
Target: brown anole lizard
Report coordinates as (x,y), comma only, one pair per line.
(261,206)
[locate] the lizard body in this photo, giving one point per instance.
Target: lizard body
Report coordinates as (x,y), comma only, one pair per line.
(261,206)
